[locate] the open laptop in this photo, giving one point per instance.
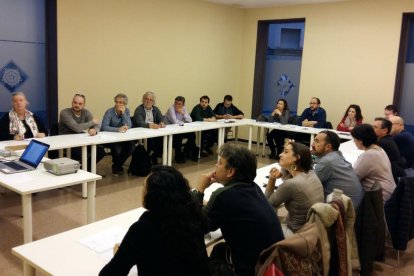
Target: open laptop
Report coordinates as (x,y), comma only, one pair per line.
(29,160)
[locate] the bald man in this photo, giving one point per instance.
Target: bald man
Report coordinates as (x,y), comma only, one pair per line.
(404,140)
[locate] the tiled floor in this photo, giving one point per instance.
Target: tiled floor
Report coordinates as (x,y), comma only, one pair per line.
(63,209)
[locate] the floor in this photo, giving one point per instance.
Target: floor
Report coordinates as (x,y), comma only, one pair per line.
(64,209)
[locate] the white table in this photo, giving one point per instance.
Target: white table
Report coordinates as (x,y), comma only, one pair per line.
(62,254)
(292,128)
(39,180)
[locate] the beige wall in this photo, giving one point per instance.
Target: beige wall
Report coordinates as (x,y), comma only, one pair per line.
(350,53)
(172,47)
(184,47)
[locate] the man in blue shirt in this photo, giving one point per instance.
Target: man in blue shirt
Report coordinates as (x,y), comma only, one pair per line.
(333,170)
(117,119)
(314,115)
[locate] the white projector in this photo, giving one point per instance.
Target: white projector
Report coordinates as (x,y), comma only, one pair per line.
(61,166)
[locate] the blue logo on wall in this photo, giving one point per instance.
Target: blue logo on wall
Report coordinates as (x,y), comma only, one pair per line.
(11,76)
(285,85)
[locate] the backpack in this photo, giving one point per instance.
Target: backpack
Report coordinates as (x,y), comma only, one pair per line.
(140,162)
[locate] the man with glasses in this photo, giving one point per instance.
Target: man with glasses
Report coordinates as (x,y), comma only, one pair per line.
(226,109)
(149,116)
(404,140)
(78,119)
(333,170)
(177,114)
(117,119)
(314,115)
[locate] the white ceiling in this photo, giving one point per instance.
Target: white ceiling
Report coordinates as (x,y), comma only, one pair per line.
(267,3)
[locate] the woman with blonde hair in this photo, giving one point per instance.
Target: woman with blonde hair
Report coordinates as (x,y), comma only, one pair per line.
(20,122)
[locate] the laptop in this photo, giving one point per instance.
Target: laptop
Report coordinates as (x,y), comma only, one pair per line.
(29,160)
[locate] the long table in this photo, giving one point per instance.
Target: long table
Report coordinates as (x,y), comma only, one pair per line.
(65,254)
(39,180)
(83,140)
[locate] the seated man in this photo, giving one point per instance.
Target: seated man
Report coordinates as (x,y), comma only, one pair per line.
(117,119)
(226,109)
(333,170)
(390,111)
(149,116)
(177,114)
(313,116)
(203,112)
(404,140)
(247,221)
(77,120)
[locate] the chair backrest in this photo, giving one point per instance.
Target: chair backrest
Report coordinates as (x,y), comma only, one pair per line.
(399,212)
(370,229)
(298,254)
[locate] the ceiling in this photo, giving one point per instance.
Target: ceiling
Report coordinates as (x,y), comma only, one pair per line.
(246,4)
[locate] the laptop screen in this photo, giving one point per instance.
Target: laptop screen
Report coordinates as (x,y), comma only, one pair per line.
(34,153)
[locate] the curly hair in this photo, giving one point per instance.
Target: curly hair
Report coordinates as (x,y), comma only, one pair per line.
(180,216)
(358,113)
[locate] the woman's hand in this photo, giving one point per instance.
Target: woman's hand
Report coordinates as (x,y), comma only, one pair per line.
(40,135)
(274,174)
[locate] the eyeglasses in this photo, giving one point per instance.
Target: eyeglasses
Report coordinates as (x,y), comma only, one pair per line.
(313,103)
(80,95)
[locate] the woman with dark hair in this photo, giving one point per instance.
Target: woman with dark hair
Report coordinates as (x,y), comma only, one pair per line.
(301,187)
(352,117)
(168,239)
(276,138)
(373,165)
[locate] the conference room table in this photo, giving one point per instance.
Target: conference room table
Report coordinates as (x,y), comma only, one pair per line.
(262,126)
(83,139)
(84,250)
(39,180)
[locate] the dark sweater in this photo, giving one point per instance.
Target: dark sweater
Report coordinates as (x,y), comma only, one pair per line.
(144,246)
(5,125)
(247,221)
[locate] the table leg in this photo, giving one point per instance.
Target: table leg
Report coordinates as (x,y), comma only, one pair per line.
(170,143)
(264,142)
(198,142)
(85,168)
(27,218)
(312,137)
(259,129)
(236,133)
(165,150)
(91,201)
(250,137)
(28,270)
(220,138)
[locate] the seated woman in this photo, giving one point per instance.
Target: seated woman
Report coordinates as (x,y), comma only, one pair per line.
(352,117)
(373,165)
(276,138)
(21,123)
(168,239)
(300,189)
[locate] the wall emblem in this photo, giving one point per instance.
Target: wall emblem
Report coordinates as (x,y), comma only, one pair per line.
(11,76)
(285,85)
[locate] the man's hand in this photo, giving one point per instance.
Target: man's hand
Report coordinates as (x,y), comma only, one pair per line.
(123,129)
(92,132)
(205,180)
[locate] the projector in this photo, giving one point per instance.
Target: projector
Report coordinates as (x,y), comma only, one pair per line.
(61,166)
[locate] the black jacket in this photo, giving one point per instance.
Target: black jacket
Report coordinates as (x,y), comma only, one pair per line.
(399,213)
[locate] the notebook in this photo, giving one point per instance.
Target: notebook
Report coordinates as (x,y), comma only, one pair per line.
(29,160)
